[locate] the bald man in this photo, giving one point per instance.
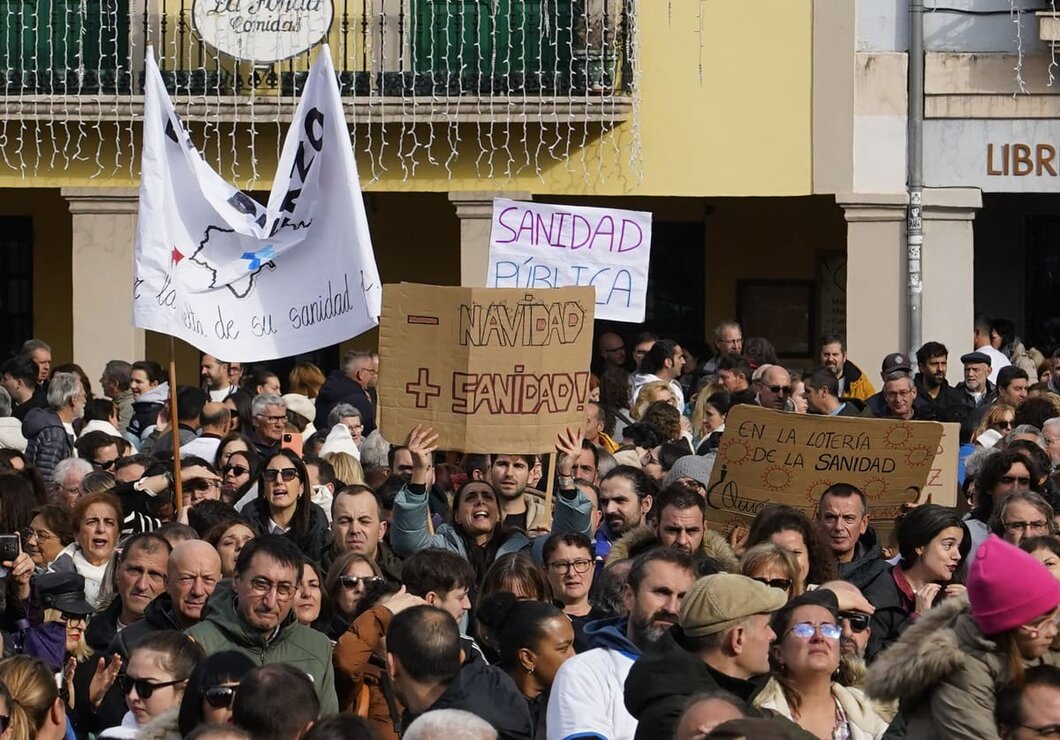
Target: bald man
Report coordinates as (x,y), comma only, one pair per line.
(214,419)
(193,573)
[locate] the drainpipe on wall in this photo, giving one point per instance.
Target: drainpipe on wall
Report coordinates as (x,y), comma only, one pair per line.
(914,225)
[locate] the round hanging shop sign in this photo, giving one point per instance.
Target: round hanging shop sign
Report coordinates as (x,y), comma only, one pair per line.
(262,30)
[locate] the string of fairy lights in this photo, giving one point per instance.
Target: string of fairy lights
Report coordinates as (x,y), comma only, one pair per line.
(502,89)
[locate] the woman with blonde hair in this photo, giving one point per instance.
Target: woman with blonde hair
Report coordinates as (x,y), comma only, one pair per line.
(347,467)
(305,378)
(649,393)
(774,566)
(1000,417)
(35,710)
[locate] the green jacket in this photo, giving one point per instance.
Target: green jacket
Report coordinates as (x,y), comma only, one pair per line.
(300,646)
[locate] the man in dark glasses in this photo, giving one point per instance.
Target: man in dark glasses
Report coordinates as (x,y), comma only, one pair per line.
(100,449)
(852,618)
(774,388)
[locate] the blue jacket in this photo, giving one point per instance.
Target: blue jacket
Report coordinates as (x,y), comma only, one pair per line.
(47,442)
(409,535)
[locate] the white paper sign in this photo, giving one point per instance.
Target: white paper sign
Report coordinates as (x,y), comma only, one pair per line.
(537,245)
(262,30)
(242,281)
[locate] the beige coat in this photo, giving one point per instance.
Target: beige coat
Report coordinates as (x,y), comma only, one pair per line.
(865,723)
(642,539)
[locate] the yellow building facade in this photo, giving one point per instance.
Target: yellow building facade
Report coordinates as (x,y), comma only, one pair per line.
(703,115)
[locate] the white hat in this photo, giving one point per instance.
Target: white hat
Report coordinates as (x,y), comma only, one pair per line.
(340,440)
(301,405)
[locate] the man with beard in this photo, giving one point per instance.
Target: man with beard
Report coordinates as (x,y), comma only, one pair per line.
(931,385)
(509,476)
(586,698)
(626,495)
(851,381)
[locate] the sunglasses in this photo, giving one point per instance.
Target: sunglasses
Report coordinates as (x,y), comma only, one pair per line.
(202,484)
(236,469)
(219,697)
(106,465)
(68,617)
(355,581)
(271,474)
(858,622)
(806,630)
(778,389)
(782,583)
(144,688)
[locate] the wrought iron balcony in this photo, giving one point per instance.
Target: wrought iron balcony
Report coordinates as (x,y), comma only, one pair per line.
(442,58)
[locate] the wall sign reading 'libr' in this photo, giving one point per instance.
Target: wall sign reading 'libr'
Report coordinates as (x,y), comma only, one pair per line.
(262,30)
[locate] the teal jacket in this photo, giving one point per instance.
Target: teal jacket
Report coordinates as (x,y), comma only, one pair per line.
(306,649)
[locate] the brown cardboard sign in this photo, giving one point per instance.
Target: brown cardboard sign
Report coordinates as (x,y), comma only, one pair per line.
(942,485)
(770,456)
(491,369)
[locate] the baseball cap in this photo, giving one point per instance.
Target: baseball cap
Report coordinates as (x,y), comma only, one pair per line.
(720,601)
(894,362)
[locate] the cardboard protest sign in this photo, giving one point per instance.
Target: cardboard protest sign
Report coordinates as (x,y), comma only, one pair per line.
(769,456)
(537,245)
(492,370)
(942,485)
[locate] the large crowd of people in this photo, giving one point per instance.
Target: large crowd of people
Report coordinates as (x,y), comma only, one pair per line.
(315,580)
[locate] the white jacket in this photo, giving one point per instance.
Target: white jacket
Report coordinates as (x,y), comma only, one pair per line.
(865,723)
(587,697)
(11,434)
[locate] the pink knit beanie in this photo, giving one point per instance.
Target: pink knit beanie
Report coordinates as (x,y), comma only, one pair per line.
(1008,587)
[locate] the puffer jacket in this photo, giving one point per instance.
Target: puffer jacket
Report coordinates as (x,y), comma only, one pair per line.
(145,410)
(857,385)
(865,723)
(47,442)
(314,543)
(945,674)
(642,539)
(222,628)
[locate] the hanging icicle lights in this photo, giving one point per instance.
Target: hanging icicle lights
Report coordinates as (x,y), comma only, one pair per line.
(492,90)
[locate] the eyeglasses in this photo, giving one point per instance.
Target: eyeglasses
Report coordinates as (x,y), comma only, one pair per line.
(858,622)
(144,688)
(273,419)
(271,474)
(104,465)
(262,586)
(581,565)
(1008,480)
(621,348)
(42,535)
(782,583)
(1003,424)
(649,459)
(355,581)
(1048,619)
(219,697)
(235,470)
(202,484)
(778,389)
(1043,730)
(806,630)
(68,617)
(1041,524)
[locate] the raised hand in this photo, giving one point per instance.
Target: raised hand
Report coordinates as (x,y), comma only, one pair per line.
(421,443)
(104,677)
(569,446)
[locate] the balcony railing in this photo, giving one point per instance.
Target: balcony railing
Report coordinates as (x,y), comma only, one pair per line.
(418,49)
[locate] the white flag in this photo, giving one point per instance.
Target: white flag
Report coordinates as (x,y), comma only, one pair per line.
(245,282)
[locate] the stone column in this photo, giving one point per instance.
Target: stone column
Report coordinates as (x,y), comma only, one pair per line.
(475,210)
(104,235)
(876,278)
(948,271)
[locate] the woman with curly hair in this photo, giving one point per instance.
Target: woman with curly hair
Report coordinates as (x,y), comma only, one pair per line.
(789,528)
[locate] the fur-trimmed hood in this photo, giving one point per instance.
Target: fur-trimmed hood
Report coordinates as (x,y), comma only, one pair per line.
(163,727)
(642,539)
(939,643)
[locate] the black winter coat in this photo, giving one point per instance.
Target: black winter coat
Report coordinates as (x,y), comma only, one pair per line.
(313,543)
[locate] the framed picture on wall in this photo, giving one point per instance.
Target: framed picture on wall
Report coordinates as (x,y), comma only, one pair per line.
(782,311)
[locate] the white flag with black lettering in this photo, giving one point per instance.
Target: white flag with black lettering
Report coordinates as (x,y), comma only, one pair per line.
(242,281)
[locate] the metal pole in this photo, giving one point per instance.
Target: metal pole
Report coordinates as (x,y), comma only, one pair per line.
(914,227)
